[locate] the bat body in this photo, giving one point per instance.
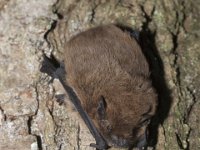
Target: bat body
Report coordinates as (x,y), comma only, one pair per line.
(108,72)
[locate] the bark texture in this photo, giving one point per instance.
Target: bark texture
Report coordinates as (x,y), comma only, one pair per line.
(30,116)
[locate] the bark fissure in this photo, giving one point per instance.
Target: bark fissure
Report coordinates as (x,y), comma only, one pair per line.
(38,137)
(4,115)
(30,119)
(78,137)
(93,12)
(179,141)
(52,27)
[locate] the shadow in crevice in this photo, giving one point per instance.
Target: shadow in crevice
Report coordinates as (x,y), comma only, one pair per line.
(147,43)
(146,39)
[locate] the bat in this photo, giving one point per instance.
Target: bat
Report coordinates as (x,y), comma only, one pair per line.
(108,78)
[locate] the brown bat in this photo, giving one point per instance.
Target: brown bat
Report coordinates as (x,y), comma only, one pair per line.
(109,76)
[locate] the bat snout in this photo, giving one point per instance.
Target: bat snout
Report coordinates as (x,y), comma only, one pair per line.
(119,141)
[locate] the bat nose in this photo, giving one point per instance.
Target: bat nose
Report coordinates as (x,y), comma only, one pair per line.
(119,141)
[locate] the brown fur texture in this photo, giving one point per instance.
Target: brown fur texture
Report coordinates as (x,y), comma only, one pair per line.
(106,63)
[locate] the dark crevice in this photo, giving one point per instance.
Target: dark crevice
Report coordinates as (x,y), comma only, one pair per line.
(179,141)
(146,16)
(51,113)
(60,146)
(175,42)
(39,142)
(175,53)
(180,144)
(187,140)
(30,118)
(55,10)
(78,138)
(37,98)
(184,16)
(39,139)
(58,14)
(4,115)
(93,13)
(53,26)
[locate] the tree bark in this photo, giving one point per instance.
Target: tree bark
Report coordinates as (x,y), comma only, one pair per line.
(30,116)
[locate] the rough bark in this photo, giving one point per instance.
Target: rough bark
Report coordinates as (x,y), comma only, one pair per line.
(30,116)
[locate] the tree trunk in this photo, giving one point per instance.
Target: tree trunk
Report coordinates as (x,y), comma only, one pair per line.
(30,116)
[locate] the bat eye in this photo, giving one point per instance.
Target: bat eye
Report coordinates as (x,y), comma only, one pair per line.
(145,122)
(109,128)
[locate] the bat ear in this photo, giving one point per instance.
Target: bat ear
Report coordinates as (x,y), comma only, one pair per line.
(101,109)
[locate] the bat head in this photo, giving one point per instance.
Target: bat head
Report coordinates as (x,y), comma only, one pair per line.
(124,121)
